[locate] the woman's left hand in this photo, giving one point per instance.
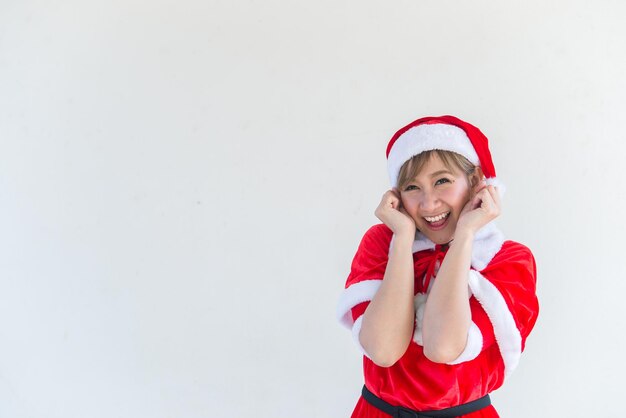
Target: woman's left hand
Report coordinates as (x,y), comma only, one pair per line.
(482,208)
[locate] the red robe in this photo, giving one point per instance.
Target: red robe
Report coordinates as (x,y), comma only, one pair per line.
(503,306)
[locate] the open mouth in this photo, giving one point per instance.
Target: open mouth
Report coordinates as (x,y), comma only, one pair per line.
(435,223)
(437,219)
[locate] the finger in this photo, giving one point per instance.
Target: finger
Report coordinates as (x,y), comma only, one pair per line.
(478,187)
(486,201)
(495,194)
(488,191)
(396,192)
(390,194)
(386,200)
(490,202)
(391,199)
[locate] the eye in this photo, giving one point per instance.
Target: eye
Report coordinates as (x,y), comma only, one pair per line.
(442,181)
(410,187)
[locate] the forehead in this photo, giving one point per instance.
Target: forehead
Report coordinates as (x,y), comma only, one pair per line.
(434,164)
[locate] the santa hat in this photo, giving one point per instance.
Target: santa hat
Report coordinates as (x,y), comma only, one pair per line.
(446,133)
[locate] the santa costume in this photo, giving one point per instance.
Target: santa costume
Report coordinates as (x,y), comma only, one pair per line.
(503,301)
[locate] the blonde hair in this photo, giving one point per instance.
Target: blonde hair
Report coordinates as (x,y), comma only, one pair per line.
(451,160)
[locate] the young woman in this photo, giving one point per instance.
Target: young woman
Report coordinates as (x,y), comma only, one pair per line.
(439,303)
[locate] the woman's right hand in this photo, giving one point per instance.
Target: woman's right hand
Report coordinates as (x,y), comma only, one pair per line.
(391,212)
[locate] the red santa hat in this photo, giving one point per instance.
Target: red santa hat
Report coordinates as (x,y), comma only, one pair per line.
(446,133)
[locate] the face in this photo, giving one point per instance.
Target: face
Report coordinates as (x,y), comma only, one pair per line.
(435,199)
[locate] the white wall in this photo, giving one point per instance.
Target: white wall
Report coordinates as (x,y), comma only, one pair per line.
(183,185)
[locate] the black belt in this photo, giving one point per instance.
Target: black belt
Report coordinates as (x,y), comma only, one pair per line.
(400,412)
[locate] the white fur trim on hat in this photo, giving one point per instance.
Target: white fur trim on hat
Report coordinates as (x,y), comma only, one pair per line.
(425,138)
(500,187)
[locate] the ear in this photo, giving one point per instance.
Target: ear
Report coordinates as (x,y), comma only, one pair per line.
(477,176)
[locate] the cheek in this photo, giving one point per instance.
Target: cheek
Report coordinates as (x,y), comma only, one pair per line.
(457,197)
(409,204)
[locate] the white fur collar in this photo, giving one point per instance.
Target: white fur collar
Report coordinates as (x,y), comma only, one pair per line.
(487,242)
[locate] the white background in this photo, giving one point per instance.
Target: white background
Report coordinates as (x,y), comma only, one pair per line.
(183,185)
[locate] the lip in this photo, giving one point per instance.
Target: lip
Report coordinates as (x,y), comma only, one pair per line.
(434,216)
(437,226)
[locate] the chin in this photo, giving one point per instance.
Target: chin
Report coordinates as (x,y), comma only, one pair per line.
(439,238)
(442,241)
(442,236)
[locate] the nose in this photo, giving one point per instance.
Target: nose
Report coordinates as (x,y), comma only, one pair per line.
(429,201)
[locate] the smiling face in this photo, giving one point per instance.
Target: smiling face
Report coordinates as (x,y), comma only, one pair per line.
(435,197)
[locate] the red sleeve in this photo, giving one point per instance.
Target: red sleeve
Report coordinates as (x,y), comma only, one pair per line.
(506,291)
(514,273)
(370,260)
(366,273)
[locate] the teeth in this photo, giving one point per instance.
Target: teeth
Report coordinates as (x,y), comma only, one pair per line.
(437,218)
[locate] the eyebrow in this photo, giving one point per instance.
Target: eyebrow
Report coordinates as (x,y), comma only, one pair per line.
(437,173)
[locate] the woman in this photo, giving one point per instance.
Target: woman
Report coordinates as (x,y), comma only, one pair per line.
(438,301)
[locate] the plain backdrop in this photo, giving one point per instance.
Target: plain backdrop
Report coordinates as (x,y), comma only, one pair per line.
(183,185)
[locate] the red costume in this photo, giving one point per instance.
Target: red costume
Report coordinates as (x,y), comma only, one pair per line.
(501,284)
(504,309)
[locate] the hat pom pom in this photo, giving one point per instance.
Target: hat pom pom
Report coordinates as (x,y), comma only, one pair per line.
(495,182)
